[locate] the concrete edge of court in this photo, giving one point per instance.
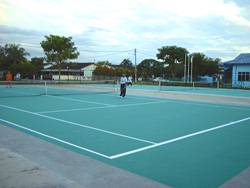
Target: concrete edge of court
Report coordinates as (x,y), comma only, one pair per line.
(60,165)
(215,99)
(17,171)
(242,180)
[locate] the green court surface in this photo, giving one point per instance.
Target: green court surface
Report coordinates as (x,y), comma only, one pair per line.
(177,143)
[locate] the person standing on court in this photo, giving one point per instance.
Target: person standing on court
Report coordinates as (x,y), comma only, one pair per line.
(123,83)
(9,79)
(130,80)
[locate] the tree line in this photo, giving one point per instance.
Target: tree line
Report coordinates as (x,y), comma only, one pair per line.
(169,62)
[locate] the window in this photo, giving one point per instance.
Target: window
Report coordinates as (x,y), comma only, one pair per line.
(243,76)
(248,76)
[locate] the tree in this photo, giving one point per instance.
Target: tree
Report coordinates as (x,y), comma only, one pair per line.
(203,65)
(103,63)
(59,49)
(127,63)
(103,71)
(174,57)
(37,62)
(12,54)
(149,67)
(26,69)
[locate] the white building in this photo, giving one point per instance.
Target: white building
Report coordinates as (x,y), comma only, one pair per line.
(71,71)
(88,71)
(240,70)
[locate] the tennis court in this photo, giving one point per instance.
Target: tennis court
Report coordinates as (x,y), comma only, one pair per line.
(178,143)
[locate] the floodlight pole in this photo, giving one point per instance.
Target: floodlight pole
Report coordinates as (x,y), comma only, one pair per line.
(135,66)
(191,74)
(185,67)
(188,62)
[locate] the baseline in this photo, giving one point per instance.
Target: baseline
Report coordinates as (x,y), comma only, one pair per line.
(177,139)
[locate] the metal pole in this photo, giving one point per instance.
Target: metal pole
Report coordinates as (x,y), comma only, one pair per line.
(135,68)
(191,74)
(68,72)
(185,67)
(188,62)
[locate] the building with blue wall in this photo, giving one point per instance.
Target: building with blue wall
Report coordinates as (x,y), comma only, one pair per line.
(240,70)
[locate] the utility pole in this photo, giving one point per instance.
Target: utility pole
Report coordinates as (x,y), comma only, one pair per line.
(135,67)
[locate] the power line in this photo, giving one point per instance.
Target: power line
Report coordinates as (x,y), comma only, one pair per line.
(109,54)
(106,51)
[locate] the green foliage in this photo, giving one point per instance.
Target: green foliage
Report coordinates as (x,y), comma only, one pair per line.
(58,49)
(149,67)
(127,63)
(169,54)
(26,69)
(173,56)
(11,54)
(102,70)
(203,65)
(103,63)
(37,62)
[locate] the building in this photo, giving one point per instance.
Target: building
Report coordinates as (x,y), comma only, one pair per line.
(240,67)
(69,71)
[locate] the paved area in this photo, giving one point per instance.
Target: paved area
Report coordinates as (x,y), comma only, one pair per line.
(29,162)
(18,172)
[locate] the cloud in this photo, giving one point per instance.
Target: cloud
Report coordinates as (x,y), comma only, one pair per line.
(142,24)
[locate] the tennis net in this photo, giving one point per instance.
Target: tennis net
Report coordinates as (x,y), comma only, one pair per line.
(182,86)
(27,88)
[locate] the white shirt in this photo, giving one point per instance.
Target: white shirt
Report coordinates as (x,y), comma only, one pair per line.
(123,80)
(130,79)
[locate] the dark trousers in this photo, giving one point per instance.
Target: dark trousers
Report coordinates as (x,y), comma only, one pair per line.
(123,90)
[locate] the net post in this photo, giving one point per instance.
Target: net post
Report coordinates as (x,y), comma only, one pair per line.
(218,84)
(159,85)
(193,84)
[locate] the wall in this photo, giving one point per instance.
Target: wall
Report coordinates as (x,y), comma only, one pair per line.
(236,70)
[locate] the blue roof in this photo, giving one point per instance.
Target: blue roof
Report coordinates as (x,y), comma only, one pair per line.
(242,59)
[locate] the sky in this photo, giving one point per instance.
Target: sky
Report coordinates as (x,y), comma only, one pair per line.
(111,29)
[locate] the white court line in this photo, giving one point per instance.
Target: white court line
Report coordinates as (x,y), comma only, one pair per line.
(64,98)
(54,138)
(77,124)
(187,92)
(111,106)
(78,100)
(177,139)
(73,109)
(146,103)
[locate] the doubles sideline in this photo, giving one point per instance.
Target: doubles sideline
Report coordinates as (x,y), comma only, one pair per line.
(77,124)
(153,145)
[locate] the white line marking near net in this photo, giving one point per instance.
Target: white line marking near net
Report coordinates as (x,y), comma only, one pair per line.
(78,100)
(74,109)
(177,139)
(77,124)
(54,138)
(111,106)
